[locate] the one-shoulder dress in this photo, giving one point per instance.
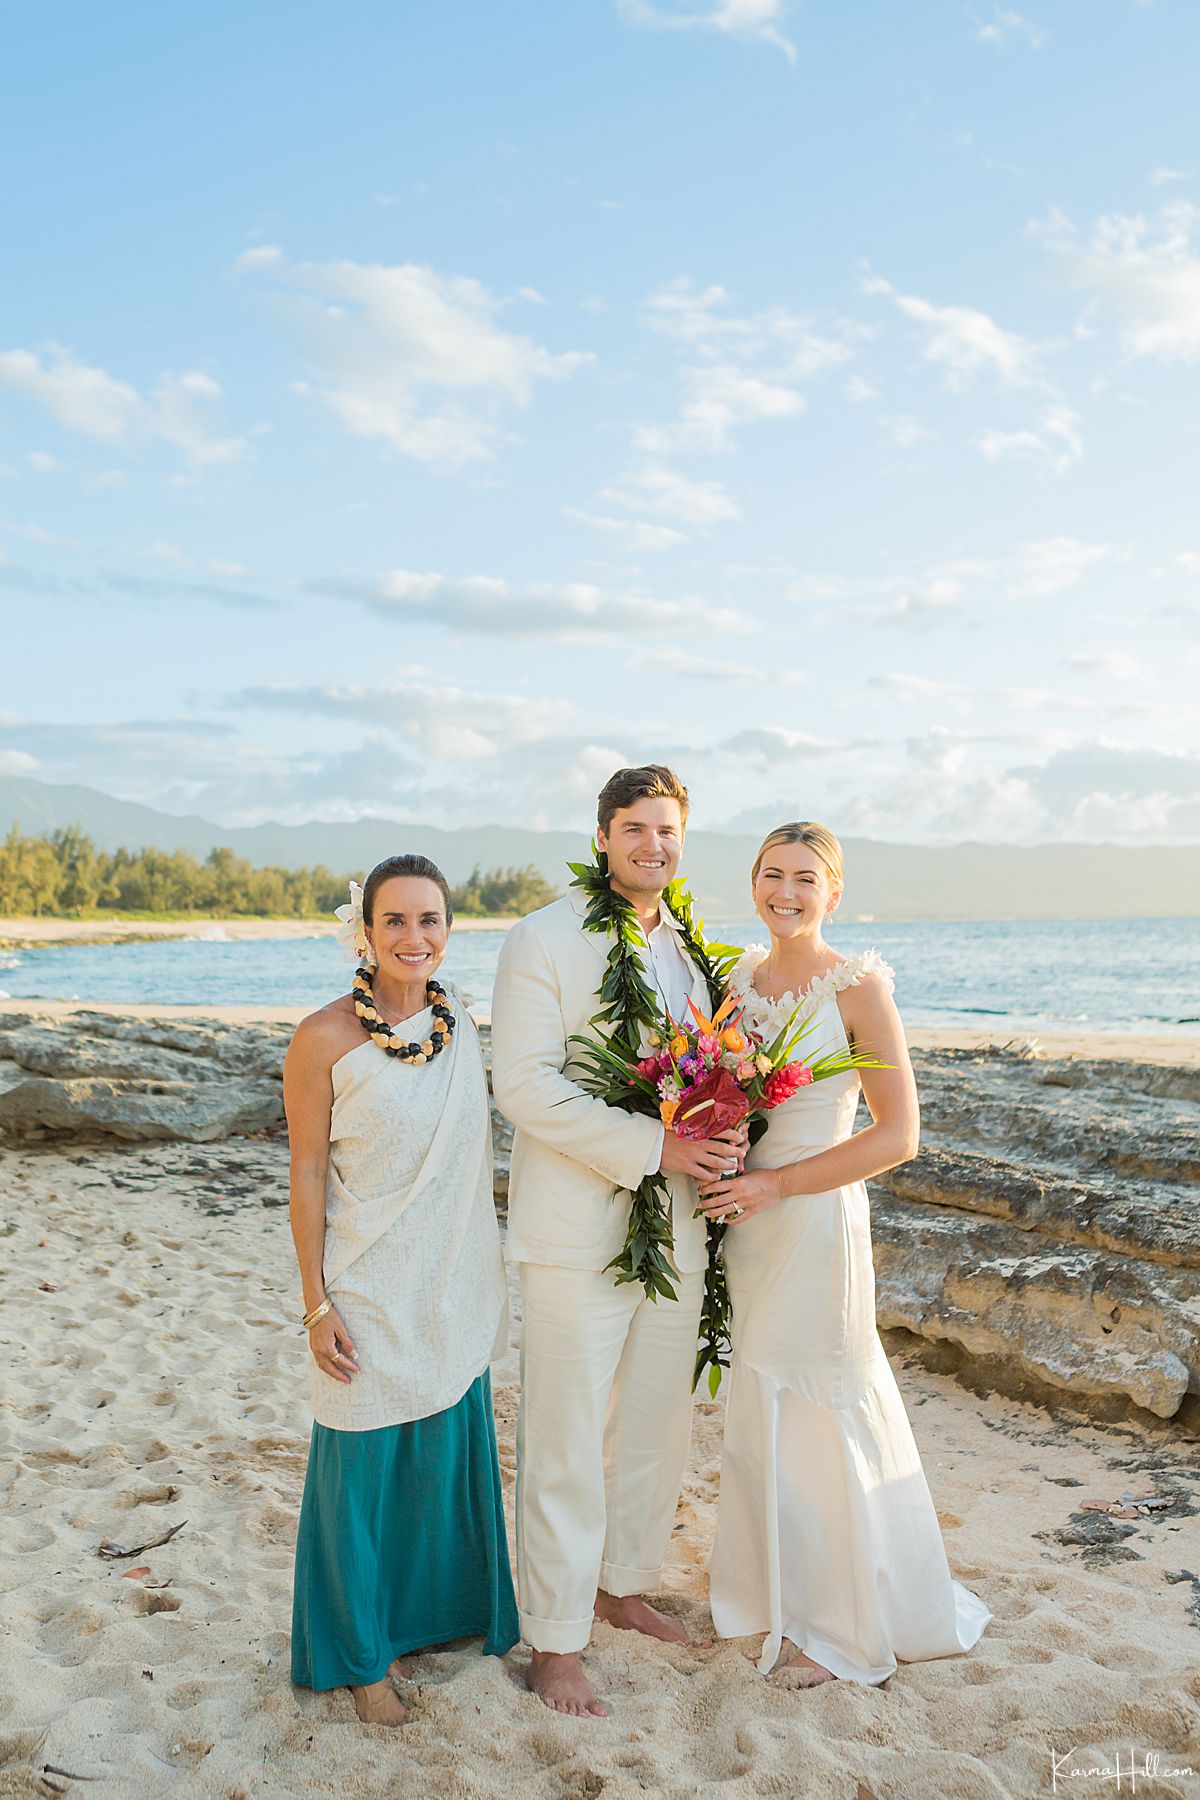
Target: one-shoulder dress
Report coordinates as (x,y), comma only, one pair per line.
(826,1531)
(402,1539)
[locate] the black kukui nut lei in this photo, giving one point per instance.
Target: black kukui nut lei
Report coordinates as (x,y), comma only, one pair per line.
(440,1033)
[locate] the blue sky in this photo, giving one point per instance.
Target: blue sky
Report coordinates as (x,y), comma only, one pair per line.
(423,410)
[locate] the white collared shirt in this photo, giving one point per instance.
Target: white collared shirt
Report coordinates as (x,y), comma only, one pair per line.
(669,970)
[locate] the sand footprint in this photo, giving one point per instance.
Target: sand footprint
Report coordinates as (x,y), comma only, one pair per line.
(148,1601)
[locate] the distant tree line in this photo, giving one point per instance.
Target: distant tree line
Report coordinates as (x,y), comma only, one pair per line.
(502,891)
(64,875)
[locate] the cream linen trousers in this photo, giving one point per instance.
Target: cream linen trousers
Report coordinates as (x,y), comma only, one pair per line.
(602,1439)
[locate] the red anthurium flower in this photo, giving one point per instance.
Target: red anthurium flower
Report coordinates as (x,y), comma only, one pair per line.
(715,1103)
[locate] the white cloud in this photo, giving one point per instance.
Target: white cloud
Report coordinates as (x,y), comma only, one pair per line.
(445,721)
(566,613)
(905,431)
(919,604)
(741,368)
(1164,177)
(1010,27)
(1049,565)
(259,256)
(666,492)
(1147,270)
(84,399)
(1115,665)
(416,359)
(93,403)
(42,463)
(722,396)
(179,402)
(965,341)
(1056,444)
(636,535)
(733,18)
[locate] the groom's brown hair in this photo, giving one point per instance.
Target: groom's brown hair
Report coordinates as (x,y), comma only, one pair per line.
(653,781)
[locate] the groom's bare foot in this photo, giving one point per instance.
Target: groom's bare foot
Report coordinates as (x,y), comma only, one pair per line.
(560,1683)
(630,1612)
(795,1670)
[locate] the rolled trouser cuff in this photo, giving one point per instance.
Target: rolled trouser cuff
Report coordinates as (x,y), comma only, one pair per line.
(560,1636)
(620,1582)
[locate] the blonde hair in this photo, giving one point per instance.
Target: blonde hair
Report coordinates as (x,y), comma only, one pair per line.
(818,838)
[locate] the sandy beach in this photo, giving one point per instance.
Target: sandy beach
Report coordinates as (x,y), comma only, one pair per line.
(155,1378)
(25,934)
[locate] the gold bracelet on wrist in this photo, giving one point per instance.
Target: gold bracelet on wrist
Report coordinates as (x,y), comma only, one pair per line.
(318,1312)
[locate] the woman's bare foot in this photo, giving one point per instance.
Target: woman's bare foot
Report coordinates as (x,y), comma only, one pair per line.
(795,1670)
(379,1703)
(631,1613)
(559,1682)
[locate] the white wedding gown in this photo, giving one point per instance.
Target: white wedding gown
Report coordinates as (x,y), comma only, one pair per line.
(826,1532)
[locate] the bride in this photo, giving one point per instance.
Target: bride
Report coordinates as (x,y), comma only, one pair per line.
(827,1539)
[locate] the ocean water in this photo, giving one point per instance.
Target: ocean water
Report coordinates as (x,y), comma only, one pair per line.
(1001,975)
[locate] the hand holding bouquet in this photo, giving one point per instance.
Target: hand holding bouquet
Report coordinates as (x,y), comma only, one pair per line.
(701,1079)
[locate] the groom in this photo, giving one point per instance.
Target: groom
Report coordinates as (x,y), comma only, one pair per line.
(606,1375)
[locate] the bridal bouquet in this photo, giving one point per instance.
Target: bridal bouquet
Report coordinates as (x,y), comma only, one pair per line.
(702,1078)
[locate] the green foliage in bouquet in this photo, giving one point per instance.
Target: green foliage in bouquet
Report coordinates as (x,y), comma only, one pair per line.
(629,1010)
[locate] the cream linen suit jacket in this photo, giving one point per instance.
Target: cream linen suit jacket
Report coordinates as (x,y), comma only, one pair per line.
(574,1165)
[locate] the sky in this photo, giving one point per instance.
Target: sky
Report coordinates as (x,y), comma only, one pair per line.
(423,410)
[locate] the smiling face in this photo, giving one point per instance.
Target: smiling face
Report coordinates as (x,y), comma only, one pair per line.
(794,891)
(408,929)
(644,843)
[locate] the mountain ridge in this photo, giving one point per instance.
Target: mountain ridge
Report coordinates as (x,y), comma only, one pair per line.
(884,880)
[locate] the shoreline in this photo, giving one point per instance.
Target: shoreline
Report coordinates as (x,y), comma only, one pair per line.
(1125,1046)
(36,934)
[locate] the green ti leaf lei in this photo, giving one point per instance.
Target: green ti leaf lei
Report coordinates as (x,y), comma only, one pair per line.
(629,1010)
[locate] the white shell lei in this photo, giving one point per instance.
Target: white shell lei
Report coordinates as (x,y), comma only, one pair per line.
(770,1016)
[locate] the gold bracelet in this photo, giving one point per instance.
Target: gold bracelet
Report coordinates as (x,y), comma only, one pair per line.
(318,1312)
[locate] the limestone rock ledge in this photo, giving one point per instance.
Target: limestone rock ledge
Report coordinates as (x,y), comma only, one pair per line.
(1049,1227)
(102,1075)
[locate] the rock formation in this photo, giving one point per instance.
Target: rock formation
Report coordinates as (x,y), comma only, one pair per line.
(1046,1237)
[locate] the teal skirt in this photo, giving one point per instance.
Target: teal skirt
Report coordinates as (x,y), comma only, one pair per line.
(401,1545)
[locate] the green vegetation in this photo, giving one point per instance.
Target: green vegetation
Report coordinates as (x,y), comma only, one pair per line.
(518,891)
(64,875)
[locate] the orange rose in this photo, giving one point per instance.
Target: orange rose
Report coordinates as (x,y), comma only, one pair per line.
(733,1039)
(666,1112)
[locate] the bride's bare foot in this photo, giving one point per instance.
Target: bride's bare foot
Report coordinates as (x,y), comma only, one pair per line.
(630,1612)
(379,1703)
(795,1670)
(560,1683)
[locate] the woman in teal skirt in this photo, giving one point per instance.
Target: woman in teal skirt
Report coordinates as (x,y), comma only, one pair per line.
(402,1542)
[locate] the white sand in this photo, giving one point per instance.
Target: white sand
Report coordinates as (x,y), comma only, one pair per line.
(19,933)
(156,1375)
